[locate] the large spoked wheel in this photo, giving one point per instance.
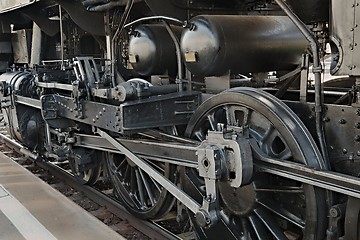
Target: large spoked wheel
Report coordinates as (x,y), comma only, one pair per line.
(139,193)
(270,207)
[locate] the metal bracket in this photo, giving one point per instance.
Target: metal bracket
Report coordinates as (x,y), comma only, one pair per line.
(239,161)
(86,70)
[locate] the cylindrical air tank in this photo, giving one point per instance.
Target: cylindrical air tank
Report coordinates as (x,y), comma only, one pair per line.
(217,44)
(152,51)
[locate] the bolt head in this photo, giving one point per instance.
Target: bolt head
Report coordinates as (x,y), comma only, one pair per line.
(342,121)
(202,218)
(334,212)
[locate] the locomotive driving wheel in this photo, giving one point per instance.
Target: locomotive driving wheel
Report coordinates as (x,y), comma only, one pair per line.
(270,207)
(139,193)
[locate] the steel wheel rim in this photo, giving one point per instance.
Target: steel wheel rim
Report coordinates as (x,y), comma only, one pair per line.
(258,222)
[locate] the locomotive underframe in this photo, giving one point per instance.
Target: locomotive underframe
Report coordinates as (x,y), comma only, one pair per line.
(186,151)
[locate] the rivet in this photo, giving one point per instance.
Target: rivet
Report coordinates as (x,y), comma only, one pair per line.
(357,138)
(342,121)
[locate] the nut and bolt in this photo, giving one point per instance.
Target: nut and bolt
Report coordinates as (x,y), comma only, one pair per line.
(342,121)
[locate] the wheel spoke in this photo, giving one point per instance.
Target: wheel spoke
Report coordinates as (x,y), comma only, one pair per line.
(229,116)
(212,122)
(258,227)
(270,224)
(147,188)
(156,184)
(280,189)
(127,172)
(128,196)
(230,224)
(123,161)
(246,228)
(133,183)
(156,166)
(140,187)
(267,137)
(285,155)
(200,136)
(283,213)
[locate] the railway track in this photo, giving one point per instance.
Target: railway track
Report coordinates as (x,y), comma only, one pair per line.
(98,202)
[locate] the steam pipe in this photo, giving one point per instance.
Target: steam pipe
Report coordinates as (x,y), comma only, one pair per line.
(164,18)
(61,37)
(317,69)
(178,55)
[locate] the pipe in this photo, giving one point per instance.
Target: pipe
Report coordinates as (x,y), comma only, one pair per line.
(180,76)
(164,18)
(317,69)
(61,37)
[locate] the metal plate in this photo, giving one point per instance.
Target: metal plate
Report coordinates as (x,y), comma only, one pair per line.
(344,28)
(342,133)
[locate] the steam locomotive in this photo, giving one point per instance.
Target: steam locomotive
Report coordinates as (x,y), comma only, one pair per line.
(242,114)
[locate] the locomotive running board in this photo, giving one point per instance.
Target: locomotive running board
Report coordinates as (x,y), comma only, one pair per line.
(336,182)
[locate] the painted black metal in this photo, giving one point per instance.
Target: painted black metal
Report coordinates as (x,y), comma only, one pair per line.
(241,44)
(160,111)
(341,127)
(152,50)
(311,11)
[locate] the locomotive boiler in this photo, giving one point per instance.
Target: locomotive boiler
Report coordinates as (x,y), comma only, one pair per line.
(243,115)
